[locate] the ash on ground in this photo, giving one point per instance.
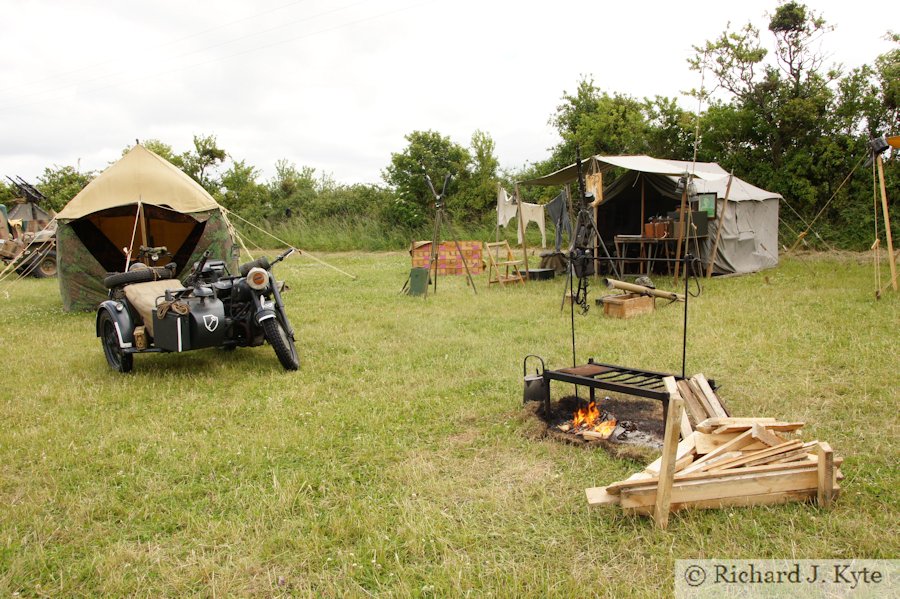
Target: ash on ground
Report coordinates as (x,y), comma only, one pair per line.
(639,428)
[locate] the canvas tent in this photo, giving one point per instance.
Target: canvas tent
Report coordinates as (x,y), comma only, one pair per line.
(749,238)
(140,200)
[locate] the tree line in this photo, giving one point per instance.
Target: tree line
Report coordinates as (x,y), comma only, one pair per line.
(788,121)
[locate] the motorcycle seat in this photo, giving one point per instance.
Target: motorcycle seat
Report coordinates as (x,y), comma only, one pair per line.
(142,297)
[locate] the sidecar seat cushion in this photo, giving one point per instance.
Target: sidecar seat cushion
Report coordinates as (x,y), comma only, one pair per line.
(142,297)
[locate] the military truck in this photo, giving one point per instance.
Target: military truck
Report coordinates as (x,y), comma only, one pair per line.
(28,234)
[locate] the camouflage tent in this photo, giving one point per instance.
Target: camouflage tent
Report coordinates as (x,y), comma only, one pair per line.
(140,200)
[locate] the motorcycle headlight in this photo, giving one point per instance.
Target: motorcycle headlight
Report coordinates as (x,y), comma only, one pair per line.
(258,278)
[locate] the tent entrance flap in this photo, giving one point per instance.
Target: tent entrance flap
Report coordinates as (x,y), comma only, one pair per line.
(107,232)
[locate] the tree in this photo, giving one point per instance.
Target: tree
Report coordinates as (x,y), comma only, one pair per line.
(791,123)
(599,123)
(200,163)
(426,152)
(59,184)
(241,191)
(478,189)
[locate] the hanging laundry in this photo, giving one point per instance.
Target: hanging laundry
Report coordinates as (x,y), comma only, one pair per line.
(507,209)
(533,213)
(558,210)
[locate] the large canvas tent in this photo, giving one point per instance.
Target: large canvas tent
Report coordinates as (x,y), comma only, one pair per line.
(140,200)
(648,187)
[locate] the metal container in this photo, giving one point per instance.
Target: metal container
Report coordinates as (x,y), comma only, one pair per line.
(535,385)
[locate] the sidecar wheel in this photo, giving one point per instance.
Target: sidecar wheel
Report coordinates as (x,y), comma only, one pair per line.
(118,360)
(281,343)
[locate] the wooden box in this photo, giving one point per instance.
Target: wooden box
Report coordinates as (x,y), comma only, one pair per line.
(627,305)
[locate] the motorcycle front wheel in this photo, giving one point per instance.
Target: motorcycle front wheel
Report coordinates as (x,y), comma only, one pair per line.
(118,360)
(282,343)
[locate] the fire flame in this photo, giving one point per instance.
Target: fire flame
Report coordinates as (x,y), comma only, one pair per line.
(588,418)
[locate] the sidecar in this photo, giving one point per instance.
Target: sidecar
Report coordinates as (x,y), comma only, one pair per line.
(159,316)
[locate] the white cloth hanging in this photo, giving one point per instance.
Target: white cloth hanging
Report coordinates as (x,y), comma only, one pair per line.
(507,209)
(533,213)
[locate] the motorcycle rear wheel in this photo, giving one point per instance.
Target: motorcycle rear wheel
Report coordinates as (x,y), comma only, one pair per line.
(117,359)
(282,343)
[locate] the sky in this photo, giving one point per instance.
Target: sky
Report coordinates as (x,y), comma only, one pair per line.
(337,85)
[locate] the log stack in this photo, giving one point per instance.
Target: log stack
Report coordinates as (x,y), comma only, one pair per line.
(725,462)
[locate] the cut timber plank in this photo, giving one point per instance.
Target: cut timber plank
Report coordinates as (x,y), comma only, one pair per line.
(699,409)
(593,435)
(711,424)
(686,429)
(797,479)
(756,455)
(617,487)
(736,443)
(772,426)
(741,501)
(825,475)
(706,442)
(766,436)
(685,447)
(667,465)
(711,397)
(599,496)
(710,408)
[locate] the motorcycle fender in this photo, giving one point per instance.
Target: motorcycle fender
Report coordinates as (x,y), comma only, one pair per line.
(264,314)
(122,319)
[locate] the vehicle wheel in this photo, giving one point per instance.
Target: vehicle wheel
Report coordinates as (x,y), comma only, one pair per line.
(118,360)
(46,266)
(136,276)
(281,343)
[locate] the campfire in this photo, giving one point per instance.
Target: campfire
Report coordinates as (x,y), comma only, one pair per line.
(589,419)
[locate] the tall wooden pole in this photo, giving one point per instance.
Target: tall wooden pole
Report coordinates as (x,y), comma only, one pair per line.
(522,227)
(887,223)
(682,225)
(720,223)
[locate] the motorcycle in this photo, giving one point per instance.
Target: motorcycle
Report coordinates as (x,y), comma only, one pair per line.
(148,311)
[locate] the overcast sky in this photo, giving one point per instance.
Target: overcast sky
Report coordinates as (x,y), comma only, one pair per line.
(336,85)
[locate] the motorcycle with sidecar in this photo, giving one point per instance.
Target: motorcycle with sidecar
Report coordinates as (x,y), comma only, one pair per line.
(149,311)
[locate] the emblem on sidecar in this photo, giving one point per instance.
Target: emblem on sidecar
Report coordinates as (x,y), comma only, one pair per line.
(211,322)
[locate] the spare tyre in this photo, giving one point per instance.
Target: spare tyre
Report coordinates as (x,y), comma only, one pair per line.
(143,275)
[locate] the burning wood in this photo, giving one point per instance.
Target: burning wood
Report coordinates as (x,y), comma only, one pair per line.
(591,423)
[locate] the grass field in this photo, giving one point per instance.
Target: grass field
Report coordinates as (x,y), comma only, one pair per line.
(395,461)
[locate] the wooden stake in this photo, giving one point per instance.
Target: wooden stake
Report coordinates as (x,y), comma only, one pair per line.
(667,465)
(887,223)
(719,221)
(825,474)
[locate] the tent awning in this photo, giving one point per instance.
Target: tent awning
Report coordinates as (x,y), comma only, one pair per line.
(140,176)
(706,171)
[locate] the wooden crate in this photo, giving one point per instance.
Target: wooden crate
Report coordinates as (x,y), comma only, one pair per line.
(627,305)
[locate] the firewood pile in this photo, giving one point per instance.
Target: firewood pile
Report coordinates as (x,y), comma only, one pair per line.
(724,461)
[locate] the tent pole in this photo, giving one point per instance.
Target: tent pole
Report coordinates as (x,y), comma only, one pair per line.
(143,219)
(643,207)
(887,222)
(720,220)
(596,206)
(682,224)
(497,225)
(522,227)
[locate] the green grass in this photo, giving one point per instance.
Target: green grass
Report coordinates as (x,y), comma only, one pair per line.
(395,461)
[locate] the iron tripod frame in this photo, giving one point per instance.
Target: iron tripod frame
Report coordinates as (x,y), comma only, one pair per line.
(585,228)
(440,216)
